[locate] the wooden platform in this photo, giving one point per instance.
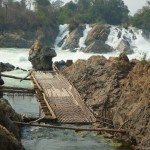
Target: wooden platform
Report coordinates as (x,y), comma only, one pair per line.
(59,100)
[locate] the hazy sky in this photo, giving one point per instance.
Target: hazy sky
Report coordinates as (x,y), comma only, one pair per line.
(133,5)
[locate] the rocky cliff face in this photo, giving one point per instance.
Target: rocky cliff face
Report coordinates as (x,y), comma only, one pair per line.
(118,86)
(9,133)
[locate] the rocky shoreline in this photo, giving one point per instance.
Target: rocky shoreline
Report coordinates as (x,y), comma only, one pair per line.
(9,133)
(120,88)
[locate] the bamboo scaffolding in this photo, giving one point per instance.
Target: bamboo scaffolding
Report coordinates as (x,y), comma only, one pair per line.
(14,77)
(69,128)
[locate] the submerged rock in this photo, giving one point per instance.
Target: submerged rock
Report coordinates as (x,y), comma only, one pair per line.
(41,57)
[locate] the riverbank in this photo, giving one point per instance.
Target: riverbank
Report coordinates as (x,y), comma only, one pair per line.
(118,87)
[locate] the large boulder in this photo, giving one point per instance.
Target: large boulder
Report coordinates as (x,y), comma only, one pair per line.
(124,47)
(98,32)
(98,46)
(72,41)
(41,57)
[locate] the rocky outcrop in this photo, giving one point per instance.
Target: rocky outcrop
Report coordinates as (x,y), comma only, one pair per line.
(6,67)
(41,57)
(134,105)
(124,47)
(99,32)
(72,41)
(1,83)
(119,87)
(95,41)
(9,133)
(98,46)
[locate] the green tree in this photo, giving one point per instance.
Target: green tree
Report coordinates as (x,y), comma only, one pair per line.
(142,18)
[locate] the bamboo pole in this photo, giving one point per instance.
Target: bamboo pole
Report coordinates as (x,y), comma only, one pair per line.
(17,91)
(68,128)
(15,88)
(14,77)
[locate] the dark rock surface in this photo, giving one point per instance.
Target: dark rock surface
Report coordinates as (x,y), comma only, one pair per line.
(99,32)
(98,46)
(124,47)
(9,133)
(6,67)
(41,57)
(119,87)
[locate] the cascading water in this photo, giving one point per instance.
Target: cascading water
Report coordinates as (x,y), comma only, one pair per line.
(62,36)
(85,34)
(134,37)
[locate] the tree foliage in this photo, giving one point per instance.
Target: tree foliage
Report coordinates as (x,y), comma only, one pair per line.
(19,16)
(142,18)
(90,11)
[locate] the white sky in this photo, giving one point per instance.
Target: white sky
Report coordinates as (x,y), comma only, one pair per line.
(133,5)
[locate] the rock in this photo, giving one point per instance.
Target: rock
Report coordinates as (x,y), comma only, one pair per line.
(123,57)
(98,47)
(60,64)
(124,47)
(62,41)
(119,88)
(99,32)
(134,105)
(9,133)
(41,57)
(72,41)
(8,141)
(6,67)
(1,83)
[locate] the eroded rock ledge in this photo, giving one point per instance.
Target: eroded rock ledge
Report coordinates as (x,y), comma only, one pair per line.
(119,85)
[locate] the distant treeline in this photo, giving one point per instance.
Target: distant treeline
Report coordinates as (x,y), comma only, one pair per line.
(43,15)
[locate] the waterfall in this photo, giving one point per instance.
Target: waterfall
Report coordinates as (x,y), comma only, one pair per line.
(133,36)
(62,36)
(85,34)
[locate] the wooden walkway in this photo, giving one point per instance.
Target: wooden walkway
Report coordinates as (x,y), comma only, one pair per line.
(59,99)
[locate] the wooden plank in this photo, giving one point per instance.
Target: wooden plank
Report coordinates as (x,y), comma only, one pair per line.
(50,109)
